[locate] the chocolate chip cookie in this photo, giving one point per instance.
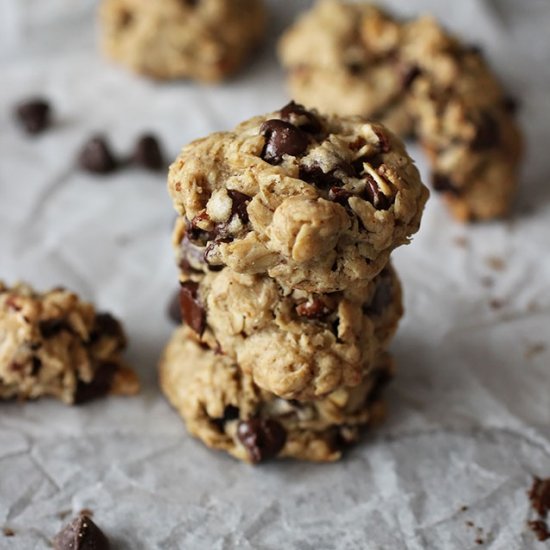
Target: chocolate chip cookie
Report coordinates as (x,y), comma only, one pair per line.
(416,78)
(206,40)
(294,344)
(317,203)
(54,344)
(225,409)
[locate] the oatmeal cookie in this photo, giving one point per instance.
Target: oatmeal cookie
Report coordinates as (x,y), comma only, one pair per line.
(225,409)
(54,344)
(317,203)
(206,40)
(416,78)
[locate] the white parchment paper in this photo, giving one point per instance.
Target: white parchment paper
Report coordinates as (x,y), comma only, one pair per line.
(469,419)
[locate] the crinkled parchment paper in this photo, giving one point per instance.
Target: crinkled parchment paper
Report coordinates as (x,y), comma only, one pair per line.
(469,415)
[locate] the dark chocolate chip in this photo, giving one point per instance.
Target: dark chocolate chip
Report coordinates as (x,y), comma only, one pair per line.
(511,105)
(34,115)
(107,325)
(339,195)
(36,365)
(383,295)
(262,438)
(444,184)
(540,528)
(282,138)
(229,413)
(192,311)
(240,204)
(96,156)
(487,133)
(314,174)
(410,74)
(190,3)
(8,532)
(98,386)
(299,116)
(81,534)
(314,309)
(125,18)
(174,309)
(384,141)
(52,327)
(191,256)
(355,69)
(539,495)
(373,194)
(148,153)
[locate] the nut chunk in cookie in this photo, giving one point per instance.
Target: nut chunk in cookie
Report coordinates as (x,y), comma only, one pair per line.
(416,78)
(315,202)
(54,344)
(206,40)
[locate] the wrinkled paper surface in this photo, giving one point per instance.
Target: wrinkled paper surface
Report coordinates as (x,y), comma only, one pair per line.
(469,420)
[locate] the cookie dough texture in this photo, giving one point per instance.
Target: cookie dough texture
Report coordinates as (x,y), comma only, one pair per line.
(351,58)
(54,344)
(316,203)
(225,409)
(206,40)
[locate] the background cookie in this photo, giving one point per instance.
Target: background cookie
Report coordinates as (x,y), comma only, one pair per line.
(206,40)
(351,58)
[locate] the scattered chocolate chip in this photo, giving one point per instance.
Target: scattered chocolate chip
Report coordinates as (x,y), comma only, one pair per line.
(34,115)
(8,532)
(52,327)
(240,204)
(81,534)
(263,438)
(540,528)
(315,175)
(374,195)
(98,386)
(192,311)
(300,117)
(96,156)
(383,295)
(148,153)
(511,104)
(444,184)
(174,309)
(487,133)
(36,365)
(314,309)
(409,75)
(282,138)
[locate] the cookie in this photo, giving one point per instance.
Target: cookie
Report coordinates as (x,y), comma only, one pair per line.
(351,58)
(317,203)
(225,409)
(294,344)
(206,40)
(54,344)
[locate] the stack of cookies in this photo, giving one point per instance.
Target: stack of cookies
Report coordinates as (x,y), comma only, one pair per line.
(289,299)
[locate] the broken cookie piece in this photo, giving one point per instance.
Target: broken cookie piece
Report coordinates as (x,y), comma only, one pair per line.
(54,344)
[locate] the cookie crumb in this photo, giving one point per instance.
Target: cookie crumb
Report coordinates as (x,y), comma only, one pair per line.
(464,508)
(534,349)
(495,303)
(496,263)
(8,532)
(461,241)
(469,523)
(539,497)
(86,512)
(540,528)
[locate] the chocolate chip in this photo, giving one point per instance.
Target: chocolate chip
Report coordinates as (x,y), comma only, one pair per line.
(511,104)
(263,438)
(36,365)
(381,379)
(374,195)
(106,325)
(539,495)
(96,156)
(355,69)
(148,153)
(125,18)
(299,116)
(229,413)
(81,534)
(98,386)
(191,256)
(192,311)
(409,75)
(487,133)
(540,528)
(383,295)
(314,174)
(34,115)
(174,309)
(383,141)
(314,309)
(8,532)
(444,184)
(282,138)
(240,204)
(339,195)
(52,327)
